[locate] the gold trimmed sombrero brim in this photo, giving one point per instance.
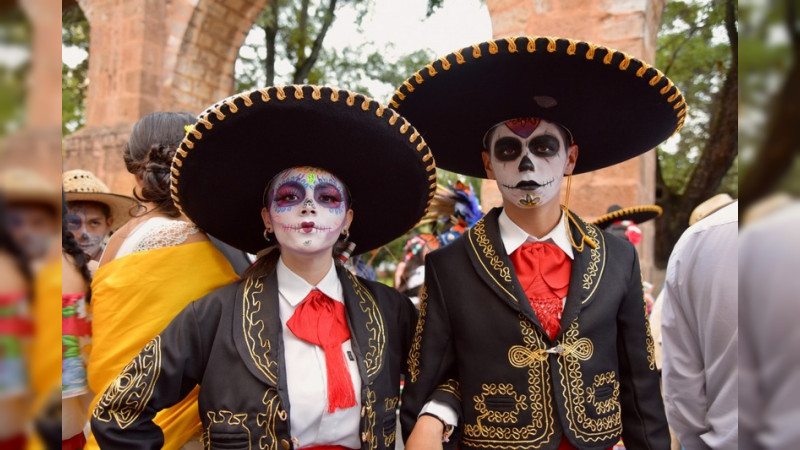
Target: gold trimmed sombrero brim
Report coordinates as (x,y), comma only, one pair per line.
(237,146)
(636,214)
(120,206)
(615,106)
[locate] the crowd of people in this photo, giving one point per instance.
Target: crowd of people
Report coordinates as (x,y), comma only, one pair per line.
(220,306)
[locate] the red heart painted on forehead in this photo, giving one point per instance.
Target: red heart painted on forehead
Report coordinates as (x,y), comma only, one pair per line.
(523,127)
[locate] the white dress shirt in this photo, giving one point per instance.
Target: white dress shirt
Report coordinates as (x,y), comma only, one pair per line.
(769,377)
(513,237)
(306,374)
(699,328)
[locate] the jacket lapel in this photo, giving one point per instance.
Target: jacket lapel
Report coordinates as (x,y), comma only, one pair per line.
(257,330)
(494,268)
(587,269)
(367,327)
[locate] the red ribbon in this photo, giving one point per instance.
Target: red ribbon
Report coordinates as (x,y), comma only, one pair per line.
(321,321)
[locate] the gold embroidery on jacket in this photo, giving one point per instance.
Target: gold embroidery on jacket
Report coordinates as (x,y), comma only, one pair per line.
(373,358)
(540,429)
(267,420)
(225,422)
(608,405)
(369,436)
(413,354)
(499,389)
(127,396)
(651,348)
(585,428)
(452,387)
(254,330)
(597,261)
(477,234)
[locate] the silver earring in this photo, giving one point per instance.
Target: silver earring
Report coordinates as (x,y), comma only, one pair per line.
(266,234)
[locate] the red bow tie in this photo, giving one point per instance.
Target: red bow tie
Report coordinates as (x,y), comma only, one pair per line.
(320,320)
(543,270)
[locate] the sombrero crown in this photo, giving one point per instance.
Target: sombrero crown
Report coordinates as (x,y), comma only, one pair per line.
(615,106)
(237,146)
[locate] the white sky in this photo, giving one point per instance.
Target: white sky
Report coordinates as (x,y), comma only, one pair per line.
(456,24)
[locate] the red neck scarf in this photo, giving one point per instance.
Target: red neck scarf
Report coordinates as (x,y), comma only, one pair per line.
(543,270)
(320,320)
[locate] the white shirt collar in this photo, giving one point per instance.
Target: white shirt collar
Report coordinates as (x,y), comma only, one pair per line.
(513,236)
(294,288)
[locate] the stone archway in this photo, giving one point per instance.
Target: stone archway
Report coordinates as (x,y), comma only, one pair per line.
(148,56)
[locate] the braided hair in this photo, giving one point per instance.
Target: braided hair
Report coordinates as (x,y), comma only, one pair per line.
(148,155)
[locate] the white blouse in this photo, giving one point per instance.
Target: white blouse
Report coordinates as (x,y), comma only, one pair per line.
(306,374)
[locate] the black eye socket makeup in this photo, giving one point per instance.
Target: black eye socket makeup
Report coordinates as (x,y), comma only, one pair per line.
(507,149)
(544,145)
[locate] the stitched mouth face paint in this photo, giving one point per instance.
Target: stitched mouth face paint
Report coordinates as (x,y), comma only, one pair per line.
(528,157)
(307,209)
(89,226)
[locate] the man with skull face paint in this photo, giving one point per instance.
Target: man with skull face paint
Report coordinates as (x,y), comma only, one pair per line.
(299,353)
(532,331)
(94,211)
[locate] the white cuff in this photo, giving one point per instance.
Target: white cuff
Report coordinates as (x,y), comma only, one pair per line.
(442,411)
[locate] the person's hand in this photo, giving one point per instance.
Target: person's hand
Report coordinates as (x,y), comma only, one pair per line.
(426,435)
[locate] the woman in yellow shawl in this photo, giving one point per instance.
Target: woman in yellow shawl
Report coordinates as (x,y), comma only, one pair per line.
(153,266)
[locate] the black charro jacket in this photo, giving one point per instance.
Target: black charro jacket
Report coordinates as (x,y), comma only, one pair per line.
(480,349)
(230,343)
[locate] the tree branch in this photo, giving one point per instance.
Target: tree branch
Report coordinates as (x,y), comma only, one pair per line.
(304,67)
(270,33)
(674,55)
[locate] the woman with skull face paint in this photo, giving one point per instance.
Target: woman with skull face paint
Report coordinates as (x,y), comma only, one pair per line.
(300,353)
(532,333)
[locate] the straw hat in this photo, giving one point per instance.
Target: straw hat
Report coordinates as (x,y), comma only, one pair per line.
(84,186)
(20,185)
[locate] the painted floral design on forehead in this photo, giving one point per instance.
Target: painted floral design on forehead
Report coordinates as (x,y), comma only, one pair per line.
(291,187)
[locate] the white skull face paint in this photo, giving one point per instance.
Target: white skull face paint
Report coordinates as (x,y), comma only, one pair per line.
(529,158)
(307,210)
(89,225)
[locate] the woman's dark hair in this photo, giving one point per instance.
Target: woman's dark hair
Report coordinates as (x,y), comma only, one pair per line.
(148,155)
(70,246)
(10,246)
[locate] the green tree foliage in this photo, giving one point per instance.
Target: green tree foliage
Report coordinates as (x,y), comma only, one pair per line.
(697,49)
(15,38)
(769,135)
(74,80)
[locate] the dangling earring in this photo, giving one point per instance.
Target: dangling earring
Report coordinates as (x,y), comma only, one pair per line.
(346,234)
(267,231)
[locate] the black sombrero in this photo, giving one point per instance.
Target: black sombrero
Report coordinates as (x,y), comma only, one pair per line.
(636,214)
(237,146)
(615,106)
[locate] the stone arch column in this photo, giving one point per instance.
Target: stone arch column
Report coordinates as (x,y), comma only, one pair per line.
(151,55)
(627,25)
